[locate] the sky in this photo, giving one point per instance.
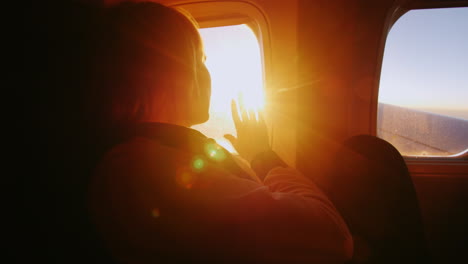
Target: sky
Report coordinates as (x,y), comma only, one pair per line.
(425,61)
(234,60)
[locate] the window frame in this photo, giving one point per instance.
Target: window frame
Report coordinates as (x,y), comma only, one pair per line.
(455,165)
(229,13)
(219,13)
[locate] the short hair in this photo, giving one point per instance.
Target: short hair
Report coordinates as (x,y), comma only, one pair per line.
(147,59)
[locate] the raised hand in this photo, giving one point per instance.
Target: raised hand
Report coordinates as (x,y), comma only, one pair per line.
(252,134)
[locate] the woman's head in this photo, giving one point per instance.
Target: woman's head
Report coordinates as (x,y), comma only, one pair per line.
(151,66)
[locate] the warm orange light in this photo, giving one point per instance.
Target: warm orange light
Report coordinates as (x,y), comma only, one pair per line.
(234,61)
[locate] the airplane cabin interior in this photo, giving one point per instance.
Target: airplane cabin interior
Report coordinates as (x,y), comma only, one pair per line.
(323,72)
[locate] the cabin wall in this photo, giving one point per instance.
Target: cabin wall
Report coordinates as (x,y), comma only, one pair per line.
(340,50)
(339,60)
(281,76)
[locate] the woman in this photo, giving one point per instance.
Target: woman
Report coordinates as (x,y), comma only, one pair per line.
(164,192)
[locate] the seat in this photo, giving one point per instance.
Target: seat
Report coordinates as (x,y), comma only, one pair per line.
(371,187)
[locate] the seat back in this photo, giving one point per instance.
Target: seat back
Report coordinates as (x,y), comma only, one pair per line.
(371,187)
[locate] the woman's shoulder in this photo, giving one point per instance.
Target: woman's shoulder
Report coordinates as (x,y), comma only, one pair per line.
(142,159)
(141,149)
(137,159)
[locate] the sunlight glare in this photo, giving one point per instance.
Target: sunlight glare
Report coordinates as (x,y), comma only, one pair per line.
(234,61)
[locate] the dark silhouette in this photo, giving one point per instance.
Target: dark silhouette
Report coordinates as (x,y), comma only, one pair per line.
(371,187)
(130,182)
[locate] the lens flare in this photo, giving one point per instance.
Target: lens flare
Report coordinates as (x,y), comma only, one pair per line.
(187,176)
(155,213)
(198,164)
(186,179)
(215,152)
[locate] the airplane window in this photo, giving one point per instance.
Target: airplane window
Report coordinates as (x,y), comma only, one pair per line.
(423,94)
(234,60)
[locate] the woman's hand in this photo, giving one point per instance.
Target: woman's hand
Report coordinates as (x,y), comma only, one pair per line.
(252,134)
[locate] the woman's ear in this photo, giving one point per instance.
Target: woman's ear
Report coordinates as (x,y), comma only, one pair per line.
(201,96)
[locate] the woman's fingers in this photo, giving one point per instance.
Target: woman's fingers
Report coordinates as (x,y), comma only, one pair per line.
(247,115)
(235,114)
(252,134)
(261,120)
(233,141)
(244,114)
(252,117)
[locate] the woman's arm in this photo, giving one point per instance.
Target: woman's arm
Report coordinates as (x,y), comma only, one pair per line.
(141,209)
